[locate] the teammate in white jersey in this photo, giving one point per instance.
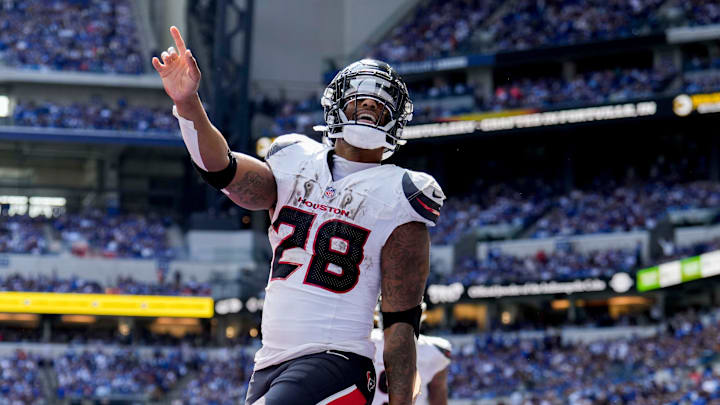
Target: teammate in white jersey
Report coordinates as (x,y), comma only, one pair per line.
(433,360)
(343,228)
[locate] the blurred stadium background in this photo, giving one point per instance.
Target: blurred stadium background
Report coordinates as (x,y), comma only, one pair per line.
(575,261)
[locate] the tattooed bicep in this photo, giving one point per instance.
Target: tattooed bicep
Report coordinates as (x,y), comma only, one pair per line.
(405,264)
(254,185)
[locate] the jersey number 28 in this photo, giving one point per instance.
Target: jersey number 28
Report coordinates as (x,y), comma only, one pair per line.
(337,243)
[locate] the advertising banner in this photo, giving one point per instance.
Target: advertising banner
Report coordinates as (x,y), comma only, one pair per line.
(679,271)
(672,107)
(106,304)
(619,283)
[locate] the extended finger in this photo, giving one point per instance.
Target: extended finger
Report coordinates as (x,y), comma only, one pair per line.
(179,42)
(157,64)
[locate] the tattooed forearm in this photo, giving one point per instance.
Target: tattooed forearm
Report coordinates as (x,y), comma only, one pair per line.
(404,269)
(405,263)
(254,187)
(399,358)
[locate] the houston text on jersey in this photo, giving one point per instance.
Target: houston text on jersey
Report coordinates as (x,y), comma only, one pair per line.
(323,207)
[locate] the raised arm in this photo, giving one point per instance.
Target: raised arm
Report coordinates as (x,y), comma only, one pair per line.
(252,184)
(404,266)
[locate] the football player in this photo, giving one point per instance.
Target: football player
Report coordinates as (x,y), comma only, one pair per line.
(343,227)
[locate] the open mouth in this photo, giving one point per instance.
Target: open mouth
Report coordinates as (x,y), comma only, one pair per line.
(366,118)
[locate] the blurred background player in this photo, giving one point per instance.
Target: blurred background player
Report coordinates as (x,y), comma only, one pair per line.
(368,223)
(434,355)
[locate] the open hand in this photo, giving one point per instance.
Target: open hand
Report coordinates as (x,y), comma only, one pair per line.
(178,70)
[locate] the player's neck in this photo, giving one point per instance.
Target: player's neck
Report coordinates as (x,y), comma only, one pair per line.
(351,153)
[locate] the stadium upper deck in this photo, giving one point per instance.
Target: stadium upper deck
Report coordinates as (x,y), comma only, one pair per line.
(97,36)
(438,29)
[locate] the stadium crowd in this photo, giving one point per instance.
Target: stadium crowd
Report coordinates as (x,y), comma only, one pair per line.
(561,265)
(624,208)
(20,379)
(694,12)
(100,373)
(88,233)
(101,36)
(434,30)
(222,381)
(589,88)
(122,285)
(529,24)
(499,268)
(673,252)
(606,207)
(497,204)
(675,366)
(98,36)
(287,116)
(678,364)
(444,28)
(94,372)
(94,115)
(22,234)
(138,236)
(702,83)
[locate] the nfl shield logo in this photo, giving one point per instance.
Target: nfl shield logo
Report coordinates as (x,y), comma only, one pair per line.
(329,192)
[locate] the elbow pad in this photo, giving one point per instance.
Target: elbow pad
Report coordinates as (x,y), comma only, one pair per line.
(410,316)
(221,179)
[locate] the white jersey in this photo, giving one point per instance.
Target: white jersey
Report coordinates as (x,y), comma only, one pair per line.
(433,356)
(327,237)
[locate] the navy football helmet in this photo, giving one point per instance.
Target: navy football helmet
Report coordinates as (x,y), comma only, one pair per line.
(374,79)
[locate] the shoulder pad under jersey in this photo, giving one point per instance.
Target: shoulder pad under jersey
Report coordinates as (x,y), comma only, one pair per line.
(283,141)
(443,345)
(424,195)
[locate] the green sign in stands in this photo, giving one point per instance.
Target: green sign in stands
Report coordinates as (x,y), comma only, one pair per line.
(648,279)
(690,268)
(679,271)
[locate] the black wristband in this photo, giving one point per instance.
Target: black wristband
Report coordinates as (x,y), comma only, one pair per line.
(222,178)
(410,316)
